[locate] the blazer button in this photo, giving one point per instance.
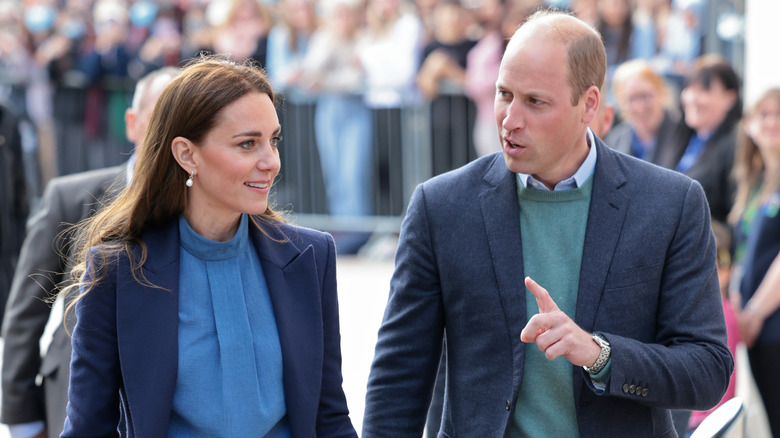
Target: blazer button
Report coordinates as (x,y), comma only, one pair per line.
(638,390)
(632,389)
(625,388)
(644,392)
(508,406)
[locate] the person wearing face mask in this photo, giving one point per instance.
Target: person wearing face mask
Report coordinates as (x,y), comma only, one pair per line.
(703,146)
(343,124)
(30,408)
(38,39)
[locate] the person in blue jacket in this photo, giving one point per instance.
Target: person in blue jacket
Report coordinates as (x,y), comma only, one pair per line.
(200,311)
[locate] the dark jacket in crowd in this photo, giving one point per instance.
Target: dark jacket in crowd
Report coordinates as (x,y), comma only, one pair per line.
(13,200)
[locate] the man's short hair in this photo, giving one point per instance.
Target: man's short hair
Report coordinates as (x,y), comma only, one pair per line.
(586,56)
(164,74)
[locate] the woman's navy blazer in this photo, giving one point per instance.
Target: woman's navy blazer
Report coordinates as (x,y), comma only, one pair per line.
(125,343)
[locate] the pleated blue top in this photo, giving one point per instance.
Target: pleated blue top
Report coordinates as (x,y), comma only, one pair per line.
(229,381)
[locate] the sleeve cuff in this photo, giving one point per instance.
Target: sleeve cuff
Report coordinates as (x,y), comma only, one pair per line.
(26,430)
(601,378)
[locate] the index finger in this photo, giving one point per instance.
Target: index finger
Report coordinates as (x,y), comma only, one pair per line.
(543,298)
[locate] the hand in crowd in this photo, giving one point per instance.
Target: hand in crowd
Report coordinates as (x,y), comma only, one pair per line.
(108,36)
(750,323)
(157,46)
(10,44)
(437,66)
(555,333)
(52,48)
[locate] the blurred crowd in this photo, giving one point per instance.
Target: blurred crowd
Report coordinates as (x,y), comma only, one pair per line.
(66,66)
(349,69)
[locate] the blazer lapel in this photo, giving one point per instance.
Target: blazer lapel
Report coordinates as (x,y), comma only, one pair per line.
(501,216)
(147,332)
(608,207)
(292,279)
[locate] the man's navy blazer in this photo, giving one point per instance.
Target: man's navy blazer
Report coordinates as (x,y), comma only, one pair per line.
(125,342)
(648,282)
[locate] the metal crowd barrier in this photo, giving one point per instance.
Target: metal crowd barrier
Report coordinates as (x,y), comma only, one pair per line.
(409,146)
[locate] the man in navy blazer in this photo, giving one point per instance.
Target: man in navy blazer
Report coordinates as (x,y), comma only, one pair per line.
(635,329)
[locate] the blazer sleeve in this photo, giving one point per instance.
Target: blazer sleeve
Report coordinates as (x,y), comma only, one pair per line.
(332,414)
(688,364)
(409,343)
(35,279)
(93,405)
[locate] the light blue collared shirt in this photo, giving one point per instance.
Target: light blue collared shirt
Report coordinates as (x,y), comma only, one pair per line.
(577,180)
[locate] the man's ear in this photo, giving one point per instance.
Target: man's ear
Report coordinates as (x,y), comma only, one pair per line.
(592,99)
(131,131)
(184,153)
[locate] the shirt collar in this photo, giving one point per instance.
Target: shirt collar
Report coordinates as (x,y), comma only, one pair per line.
(130,168)
(577,180)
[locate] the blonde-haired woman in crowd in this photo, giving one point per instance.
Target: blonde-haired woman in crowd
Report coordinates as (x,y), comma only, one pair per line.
(756,221)
(643,102)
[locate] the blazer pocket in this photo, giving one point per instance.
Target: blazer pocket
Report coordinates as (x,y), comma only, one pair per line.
(634,276)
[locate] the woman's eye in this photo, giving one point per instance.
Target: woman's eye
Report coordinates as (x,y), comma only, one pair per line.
(276,140)
(247,144)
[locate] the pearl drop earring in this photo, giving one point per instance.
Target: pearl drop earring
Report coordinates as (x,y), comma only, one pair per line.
(189,180)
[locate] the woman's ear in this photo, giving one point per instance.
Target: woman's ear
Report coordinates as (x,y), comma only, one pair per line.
(184,153)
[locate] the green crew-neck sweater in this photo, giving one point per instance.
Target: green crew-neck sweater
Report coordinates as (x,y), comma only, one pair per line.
(552,227)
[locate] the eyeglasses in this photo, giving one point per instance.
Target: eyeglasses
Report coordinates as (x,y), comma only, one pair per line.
(766,116)
(639,98)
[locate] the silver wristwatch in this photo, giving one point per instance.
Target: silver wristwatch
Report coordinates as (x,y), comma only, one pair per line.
(603,358)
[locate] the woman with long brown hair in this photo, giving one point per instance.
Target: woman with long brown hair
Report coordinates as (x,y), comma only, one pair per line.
(201,312)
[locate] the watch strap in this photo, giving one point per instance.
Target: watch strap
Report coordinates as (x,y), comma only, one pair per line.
(604,355)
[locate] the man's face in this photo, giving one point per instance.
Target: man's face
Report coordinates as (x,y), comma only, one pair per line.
(541,133)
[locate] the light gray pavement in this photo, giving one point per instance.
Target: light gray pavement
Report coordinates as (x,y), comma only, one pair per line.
(363,288)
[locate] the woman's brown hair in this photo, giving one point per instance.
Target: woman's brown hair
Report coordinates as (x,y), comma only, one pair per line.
(188,107)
